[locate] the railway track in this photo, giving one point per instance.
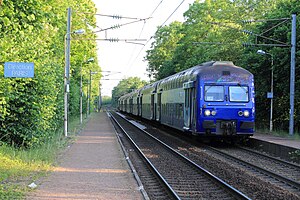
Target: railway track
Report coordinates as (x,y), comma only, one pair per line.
(151,183)
(276,171)
(252,183)
(183,178)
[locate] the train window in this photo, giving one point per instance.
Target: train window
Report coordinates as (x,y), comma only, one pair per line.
(238,93)
(213,93)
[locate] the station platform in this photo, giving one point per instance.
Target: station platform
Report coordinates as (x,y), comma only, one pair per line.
(93,167)
(283,147)
(277,140)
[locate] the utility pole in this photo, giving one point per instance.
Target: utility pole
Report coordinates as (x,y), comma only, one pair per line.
(87,102)
(292,78)
(100,98)
(67,71)
(90,92)
(81,90)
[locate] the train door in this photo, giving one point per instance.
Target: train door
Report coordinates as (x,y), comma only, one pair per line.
(189,104)
(141,105)
(138,105)
(131,105)
(158,113)
(153,109)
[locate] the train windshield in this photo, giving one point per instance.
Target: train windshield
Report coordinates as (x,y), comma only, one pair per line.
(214,93)
(238,93)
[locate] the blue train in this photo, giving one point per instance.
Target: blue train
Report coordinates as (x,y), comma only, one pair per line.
(212,99)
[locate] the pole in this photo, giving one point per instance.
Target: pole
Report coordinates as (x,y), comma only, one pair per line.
(99,104)
(81,93)
(67,71)
(90,92)
(272,83)
(292,78)
(87,102)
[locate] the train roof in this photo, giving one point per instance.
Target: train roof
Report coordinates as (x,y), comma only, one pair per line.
(149,88)
(125,96)
(204,68)
(211,71)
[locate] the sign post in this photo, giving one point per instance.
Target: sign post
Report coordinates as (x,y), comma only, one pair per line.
(18,70)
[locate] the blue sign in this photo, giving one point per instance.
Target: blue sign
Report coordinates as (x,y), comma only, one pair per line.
(270,95)
(19,69)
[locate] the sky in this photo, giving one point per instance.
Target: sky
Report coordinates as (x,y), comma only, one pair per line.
(119,60)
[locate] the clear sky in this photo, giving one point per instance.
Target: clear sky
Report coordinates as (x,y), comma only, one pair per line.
(128,58)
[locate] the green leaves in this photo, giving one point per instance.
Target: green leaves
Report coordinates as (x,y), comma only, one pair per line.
(33,31)
(6,21)
(215,30)
(126,86)
(162,49)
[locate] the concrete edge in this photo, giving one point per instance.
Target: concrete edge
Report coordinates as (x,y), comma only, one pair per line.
(277,150)
(135,174)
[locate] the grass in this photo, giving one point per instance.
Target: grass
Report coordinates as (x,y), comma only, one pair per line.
(20,167)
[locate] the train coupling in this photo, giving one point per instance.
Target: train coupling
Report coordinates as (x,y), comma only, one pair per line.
(228,127)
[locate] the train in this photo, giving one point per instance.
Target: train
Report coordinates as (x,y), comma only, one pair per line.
(214,98)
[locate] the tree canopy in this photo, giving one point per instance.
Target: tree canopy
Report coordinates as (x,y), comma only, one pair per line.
(34,31)
(126,86)
(219,30)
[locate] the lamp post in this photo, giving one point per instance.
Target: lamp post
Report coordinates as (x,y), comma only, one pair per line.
(90,91)
(100,97)
(81,92)
(67,40)
(270,95)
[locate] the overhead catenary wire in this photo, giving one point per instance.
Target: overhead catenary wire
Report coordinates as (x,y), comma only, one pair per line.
(113,40)
(113,16)
(151,15)
(246,31)
(157,30)
(82,14)
(137,20)
(120,25)
(172,13)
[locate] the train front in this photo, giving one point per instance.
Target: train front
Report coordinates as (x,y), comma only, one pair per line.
(227,105)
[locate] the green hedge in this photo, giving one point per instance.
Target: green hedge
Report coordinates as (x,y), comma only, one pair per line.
(31,109)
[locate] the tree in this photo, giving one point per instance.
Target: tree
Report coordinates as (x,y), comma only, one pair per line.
(162,50)
(216,30)
(125,86)
(213,21)
(261,67)
(33,31)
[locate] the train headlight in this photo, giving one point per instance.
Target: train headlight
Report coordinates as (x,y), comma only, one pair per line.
(240,113)
(213,113)
(246,113)
(207,112)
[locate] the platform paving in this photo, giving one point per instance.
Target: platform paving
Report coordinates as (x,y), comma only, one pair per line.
(93,167)
(278,140)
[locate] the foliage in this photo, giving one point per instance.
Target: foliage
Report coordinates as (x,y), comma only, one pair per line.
(261,67)
(106,100)
(216,30)
(33,31)
(126,86)
(20,166)
(212,31)
(162,50)
(295,155)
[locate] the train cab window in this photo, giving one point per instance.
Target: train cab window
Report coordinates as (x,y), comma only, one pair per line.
(238,93)
(213,93)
